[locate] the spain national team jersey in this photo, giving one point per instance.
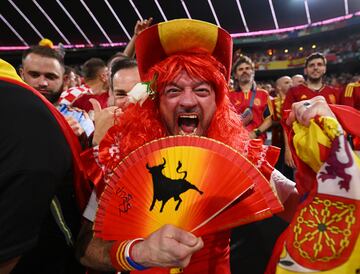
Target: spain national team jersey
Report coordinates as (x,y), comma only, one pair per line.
(351,95)
(241,101)
(302,92)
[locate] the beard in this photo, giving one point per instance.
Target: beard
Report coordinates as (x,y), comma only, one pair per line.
(315,80)
(245,78)
(52,97)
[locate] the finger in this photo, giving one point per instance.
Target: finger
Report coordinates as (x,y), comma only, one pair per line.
(71,120)
(291,118)
(118,111)
(184,237)
(95,104)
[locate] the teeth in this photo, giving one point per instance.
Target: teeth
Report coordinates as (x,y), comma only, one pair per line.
(188,116)
(181,132)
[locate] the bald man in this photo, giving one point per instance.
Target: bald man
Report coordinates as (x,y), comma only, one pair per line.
(297,79)
(279,139)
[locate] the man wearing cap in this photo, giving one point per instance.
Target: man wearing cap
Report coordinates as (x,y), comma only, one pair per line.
(190,98)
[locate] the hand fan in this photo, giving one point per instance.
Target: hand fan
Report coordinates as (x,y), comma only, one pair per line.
(181,180)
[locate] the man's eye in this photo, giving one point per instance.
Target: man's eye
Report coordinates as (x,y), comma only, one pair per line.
(172,90)
(34,74)
(202,91)
(120,95)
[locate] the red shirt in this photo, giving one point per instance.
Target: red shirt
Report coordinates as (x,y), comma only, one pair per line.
(276,129)
(302,92)
(82,102)
(350,96)
(241,101)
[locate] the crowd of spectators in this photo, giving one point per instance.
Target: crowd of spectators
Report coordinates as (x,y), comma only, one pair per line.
(336,52)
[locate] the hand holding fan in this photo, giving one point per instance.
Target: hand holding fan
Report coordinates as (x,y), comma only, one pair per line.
(181,180)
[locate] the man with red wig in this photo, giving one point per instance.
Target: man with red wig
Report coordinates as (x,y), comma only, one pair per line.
(187,63)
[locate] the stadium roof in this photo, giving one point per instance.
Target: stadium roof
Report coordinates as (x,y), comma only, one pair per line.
(111,22)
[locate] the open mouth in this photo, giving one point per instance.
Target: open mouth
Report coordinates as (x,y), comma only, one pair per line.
(188,124)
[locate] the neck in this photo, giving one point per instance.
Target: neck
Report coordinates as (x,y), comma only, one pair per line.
(315,85)
(282,95)
(246,86)
(96,86)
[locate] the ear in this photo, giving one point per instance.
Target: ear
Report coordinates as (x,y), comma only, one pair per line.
(103,77)
(21,72)
(305,71)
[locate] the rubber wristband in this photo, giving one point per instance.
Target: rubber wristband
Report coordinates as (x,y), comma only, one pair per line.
(128,257)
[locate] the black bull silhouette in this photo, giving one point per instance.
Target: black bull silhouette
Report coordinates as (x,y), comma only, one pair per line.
(166,188)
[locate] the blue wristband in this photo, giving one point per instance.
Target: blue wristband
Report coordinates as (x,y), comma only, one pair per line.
(135,265)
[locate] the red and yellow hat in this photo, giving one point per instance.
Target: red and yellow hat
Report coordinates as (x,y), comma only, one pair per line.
(180,35)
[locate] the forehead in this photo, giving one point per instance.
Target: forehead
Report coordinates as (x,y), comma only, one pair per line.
(297,78)
(316,61)
(125,76)
(243,66)
(285,79)
(184,79)
(35,62)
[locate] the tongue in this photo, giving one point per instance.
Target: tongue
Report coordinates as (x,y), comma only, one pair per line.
(188,125)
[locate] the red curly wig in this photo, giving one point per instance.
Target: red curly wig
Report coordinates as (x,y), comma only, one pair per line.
(141,124)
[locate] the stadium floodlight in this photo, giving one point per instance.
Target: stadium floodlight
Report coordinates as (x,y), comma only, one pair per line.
(51,22)
(307,11)
(242,15)
(160,9)
(74,22)
(136,10)
(273,14)
(214,13)
(26,19)
(117,19)
(14,30)
(186,9)
(96,21)
(346,5)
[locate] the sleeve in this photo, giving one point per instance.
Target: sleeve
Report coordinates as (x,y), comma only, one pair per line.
(35,160)
(289,100)
(91,208)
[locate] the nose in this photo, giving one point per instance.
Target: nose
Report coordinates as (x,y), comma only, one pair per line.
(188,99)
(43,82)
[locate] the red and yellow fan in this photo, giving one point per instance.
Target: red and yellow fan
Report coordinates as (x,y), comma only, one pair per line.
(195,183)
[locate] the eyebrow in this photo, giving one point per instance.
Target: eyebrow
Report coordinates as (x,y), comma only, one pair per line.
(196,84)
(47,73)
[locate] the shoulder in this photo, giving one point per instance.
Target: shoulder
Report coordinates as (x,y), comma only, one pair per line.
(262,92)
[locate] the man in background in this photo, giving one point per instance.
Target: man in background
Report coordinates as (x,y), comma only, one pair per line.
(282,86)
(315,69)
(249,100)
(297,79)
(40,174)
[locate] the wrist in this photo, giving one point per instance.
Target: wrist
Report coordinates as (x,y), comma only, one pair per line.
(132,254)
(121,256)
(257,132)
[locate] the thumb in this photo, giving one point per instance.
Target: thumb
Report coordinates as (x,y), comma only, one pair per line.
(291,118)
(95,104)
(184,237)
